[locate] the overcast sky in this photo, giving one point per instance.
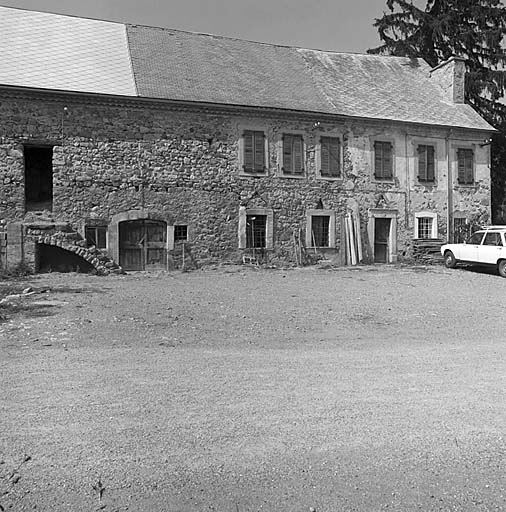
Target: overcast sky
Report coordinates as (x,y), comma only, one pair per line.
(340,25)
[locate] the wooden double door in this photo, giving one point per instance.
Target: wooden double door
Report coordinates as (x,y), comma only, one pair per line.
(143,245)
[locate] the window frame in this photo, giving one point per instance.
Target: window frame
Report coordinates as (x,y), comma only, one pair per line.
(281,154)
(382,142)
(96,228)
(242,150)
(319,156)
(425,179)
(458,151)
(332,227)
(244,213)
(434,230)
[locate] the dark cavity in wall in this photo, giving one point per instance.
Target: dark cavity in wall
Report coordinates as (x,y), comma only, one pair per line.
(49,258)
(38,178)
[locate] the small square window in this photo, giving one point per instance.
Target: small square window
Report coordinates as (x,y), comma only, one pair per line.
(97,236)
(180,233)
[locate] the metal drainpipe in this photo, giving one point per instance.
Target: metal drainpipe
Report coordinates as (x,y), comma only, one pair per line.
(407,205)
(449,205)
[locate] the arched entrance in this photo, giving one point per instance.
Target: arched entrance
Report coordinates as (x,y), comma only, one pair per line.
(143,244)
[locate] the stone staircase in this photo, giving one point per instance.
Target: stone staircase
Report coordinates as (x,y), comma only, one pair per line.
(44,230)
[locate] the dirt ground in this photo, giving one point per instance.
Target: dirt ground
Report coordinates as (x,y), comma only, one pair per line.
(239,389)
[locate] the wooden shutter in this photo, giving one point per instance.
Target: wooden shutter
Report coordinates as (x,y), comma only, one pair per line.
(383,161)
(422,163)
(325,156)
(426,164)
(248,151)
(259,165)
(298,162)
(330,155)
(430,164)
(287,154)
(465,166)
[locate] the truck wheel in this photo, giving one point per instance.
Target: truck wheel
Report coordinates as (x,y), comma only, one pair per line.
(450,260)
(501,267)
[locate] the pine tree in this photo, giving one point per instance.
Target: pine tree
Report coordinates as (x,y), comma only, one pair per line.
(472,29)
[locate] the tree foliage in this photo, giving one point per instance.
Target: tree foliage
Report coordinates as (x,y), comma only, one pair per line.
(472,29)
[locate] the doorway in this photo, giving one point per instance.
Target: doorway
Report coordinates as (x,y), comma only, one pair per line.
(143,244)
(381,239)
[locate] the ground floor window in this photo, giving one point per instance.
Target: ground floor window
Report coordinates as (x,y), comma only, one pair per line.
(180,233)
(255,228)
(425,225)
(320,228)
(460,230)
(97,236)
(256,231)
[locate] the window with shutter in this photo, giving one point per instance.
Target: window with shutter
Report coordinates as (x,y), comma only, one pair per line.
(254,151)
(330,151)
(426,163)
(293,154)
(383,160)
(465,165)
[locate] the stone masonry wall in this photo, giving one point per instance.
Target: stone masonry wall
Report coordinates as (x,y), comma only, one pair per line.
(185,166)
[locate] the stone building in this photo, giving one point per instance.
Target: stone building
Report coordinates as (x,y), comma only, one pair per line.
(133,144)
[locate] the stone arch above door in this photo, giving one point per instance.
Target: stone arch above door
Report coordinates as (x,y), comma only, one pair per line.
(131,216)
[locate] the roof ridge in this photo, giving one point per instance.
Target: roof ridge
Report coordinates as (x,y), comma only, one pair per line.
(199,33)
(26,9)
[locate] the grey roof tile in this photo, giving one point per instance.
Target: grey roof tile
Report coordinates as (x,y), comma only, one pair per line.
(51,51)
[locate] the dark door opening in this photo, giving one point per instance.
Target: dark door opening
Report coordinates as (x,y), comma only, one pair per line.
(38,178)
(143,245)
(381,238)
(49,258)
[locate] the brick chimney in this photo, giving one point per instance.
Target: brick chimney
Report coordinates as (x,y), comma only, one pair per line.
(450,76)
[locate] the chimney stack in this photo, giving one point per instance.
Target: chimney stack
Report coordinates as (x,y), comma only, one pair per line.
(450,76)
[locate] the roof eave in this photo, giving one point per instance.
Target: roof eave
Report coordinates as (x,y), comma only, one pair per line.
(232,106)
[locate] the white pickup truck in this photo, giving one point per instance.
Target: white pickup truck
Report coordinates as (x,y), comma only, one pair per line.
(485,247)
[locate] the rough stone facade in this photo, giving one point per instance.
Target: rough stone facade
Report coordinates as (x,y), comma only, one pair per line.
(182,165)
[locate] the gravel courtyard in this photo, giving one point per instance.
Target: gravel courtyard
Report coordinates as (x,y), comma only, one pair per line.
(241,389)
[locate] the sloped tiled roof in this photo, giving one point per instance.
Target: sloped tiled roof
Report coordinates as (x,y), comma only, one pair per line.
(51,51)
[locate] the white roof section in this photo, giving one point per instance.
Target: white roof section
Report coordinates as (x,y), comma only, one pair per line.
(52,51)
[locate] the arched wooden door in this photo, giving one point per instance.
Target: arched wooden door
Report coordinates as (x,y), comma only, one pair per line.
(143,244)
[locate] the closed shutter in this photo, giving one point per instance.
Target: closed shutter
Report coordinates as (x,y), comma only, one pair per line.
(259,165)
(383,160)
(298,165)
(465,166)
(248,151)
(430,164)
(287,154)
(330,151)
(254,151)
(426,164)
(293,154)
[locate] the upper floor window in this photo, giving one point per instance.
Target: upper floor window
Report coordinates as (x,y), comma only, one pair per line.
(465,166)
(293,154)
(426,164)
(253,151)
(383,160)
(330,157)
